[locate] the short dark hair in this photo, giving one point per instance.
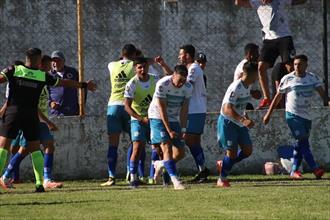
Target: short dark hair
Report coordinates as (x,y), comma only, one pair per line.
(301,57)
(189,49)
(250,67)
(181,69)
(129,50)
(31,53)
(201,58)
(18,62)
(250,47)
(45,58)
(140,60)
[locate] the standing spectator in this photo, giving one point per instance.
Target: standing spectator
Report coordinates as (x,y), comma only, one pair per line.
(63,101)
(277,37)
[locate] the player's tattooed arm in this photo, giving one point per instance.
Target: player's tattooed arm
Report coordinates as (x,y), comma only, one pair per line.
(184,114)
(278,97)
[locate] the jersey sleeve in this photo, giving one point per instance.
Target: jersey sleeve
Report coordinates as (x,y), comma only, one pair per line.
(192,76)
(232,96)
(160,91)
(130,89)
(51,80)
(282,88)
(317,81)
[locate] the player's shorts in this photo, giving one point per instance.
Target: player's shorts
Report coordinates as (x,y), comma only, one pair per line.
(300,127)
(140,131)
(159,133)
(230,135)
(196,123)
(118,119)
(45,134)
(271,49)
(15,120)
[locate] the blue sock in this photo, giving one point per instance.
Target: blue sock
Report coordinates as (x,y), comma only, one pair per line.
(297,157)
(240,156)
(112,160)
(306,152)
(48,165)
(133,166)
(129,154)
(154,157)
(15,172)
(170,167)
(198,155)
(142,162)
(227,164)
(13,163)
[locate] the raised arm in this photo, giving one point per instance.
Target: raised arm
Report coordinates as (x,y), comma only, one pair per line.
(90,85)
(167,70)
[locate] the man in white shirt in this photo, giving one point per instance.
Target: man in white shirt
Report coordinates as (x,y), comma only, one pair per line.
(277,37)
(299,87)
(168,118)
(233,124)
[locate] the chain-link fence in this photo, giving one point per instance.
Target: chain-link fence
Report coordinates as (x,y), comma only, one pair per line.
(217,28)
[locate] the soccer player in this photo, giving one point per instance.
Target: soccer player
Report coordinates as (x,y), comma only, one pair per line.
(201,60)
(197,110)
(277,37)
(46,138)
(138,95)
(117,118)
(299,87)
(25,85)
(169,106)
(233,123)
(251,54)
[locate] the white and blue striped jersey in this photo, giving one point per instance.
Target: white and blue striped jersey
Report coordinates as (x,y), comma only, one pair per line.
(299,92)
(174,98)
(237,95)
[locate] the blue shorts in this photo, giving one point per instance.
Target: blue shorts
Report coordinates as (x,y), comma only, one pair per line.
(118,119)
(300,127)
(159,133)
(230,135)
(196,123)
(44,135)
(139,131)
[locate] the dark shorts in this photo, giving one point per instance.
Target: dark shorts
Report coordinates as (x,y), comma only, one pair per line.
(271,49)
(15,120)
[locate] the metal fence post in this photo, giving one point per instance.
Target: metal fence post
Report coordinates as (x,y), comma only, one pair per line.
(325,50)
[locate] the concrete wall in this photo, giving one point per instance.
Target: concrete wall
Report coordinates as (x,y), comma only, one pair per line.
(215,27)
(81,145)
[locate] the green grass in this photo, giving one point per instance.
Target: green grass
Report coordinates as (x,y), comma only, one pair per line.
(250,197)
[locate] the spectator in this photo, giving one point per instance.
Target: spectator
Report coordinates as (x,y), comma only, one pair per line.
(63,101)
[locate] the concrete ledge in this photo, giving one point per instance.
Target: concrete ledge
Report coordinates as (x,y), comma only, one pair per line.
(81,145)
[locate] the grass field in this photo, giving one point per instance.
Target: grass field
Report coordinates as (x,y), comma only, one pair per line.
(250,197)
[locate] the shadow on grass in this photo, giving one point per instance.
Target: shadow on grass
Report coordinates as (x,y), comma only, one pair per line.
(55,202)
